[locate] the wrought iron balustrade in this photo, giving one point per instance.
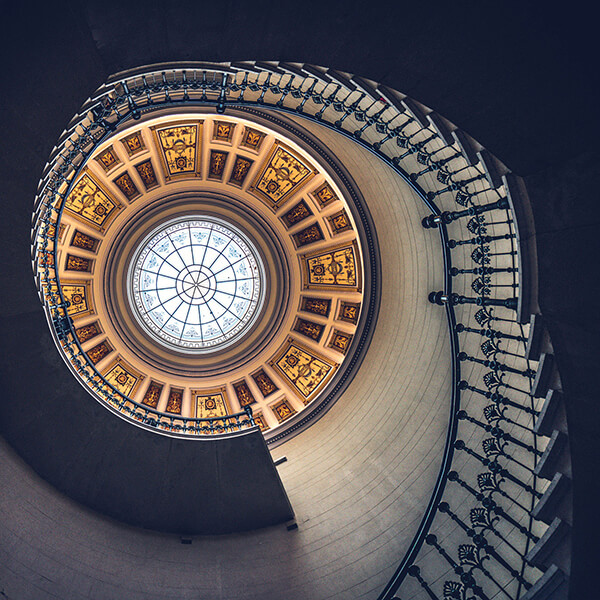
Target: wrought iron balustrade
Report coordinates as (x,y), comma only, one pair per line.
(491,494)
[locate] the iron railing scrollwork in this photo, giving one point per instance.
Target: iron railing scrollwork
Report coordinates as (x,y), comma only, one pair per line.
(487,484)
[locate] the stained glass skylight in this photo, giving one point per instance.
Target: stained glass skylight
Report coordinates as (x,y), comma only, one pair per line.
(196,284)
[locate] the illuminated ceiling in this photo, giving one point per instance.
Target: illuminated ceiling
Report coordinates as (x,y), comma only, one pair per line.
(210,264)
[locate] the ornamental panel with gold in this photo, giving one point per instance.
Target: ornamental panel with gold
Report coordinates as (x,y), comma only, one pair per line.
(175,401)
(337,268)
(134,143)
(127,186)
(88,332)
(91,203)
(146,172)
(99,351)
(78,296)
(152,395)
(210,404)
(252,139)
(317,306)
(260,421)
(108,159)
(303,368)
(84,241)
(283,410)
(264,383)
(223,131)
(123,377)
(179,149)
(243,393)
(282,174)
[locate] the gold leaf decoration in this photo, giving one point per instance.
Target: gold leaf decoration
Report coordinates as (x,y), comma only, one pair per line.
(98,352)
(89,202)
(318,306)
(223,131)
(133,143)
(84,241)
(77,263)
(252,139)
(282,174)
(152,395)
(243,393)
(304,369)
(175,401)
(264,383)
(339,222)
(240,170)
(210,405)
(333,268)
(349,312)
(312,330)
(87,332)
(122,377)
(283,410)
(308,235)
(340,341)
(178,145)
(127,186)
(108,159)
(146,172)
(77,295)
(217,164)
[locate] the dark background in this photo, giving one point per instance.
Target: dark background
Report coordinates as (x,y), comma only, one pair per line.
(521,78)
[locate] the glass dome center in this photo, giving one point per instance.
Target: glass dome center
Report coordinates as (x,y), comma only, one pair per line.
(196,284)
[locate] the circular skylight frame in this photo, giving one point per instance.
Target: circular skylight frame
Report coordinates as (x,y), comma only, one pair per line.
(191,287)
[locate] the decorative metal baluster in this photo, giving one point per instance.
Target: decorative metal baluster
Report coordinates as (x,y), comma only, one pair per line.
(496,366)
(286,90)
(327,101)
(184,85)
(433,164)
(242,87)
(481,543)
(489,484)
(448,217)
(203,87)
(305,96)
(498,433)
(348,110)
(415,572)
(489,333)
(394,132)
(265,86)
(493,414)
(454,271)
(465,576)
(496,468)
(133,108)
(495,447)
(485,518)
(441,299)
(369,120)
(222,93)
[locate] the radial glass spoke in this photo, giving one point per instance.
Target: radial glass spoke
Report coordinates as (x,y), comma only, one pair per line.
(196,284)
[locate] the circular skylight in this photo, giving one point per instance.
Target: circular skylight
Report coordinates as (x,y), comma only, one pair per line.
(196,284)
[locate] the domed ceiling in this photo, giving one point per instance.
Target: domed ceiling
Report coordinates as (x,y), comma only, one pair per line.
(210,267)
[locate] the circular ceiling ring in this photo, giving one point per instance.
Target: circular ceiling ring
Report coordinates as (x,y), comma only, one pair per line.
(298,329)
(157,214)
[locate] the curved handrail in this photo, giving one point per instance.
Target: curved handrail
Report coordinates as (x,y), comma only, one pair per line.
(128,97)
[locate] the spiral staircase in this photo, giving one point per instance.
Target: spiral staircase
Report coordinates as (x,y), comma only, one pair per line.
(443,470)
